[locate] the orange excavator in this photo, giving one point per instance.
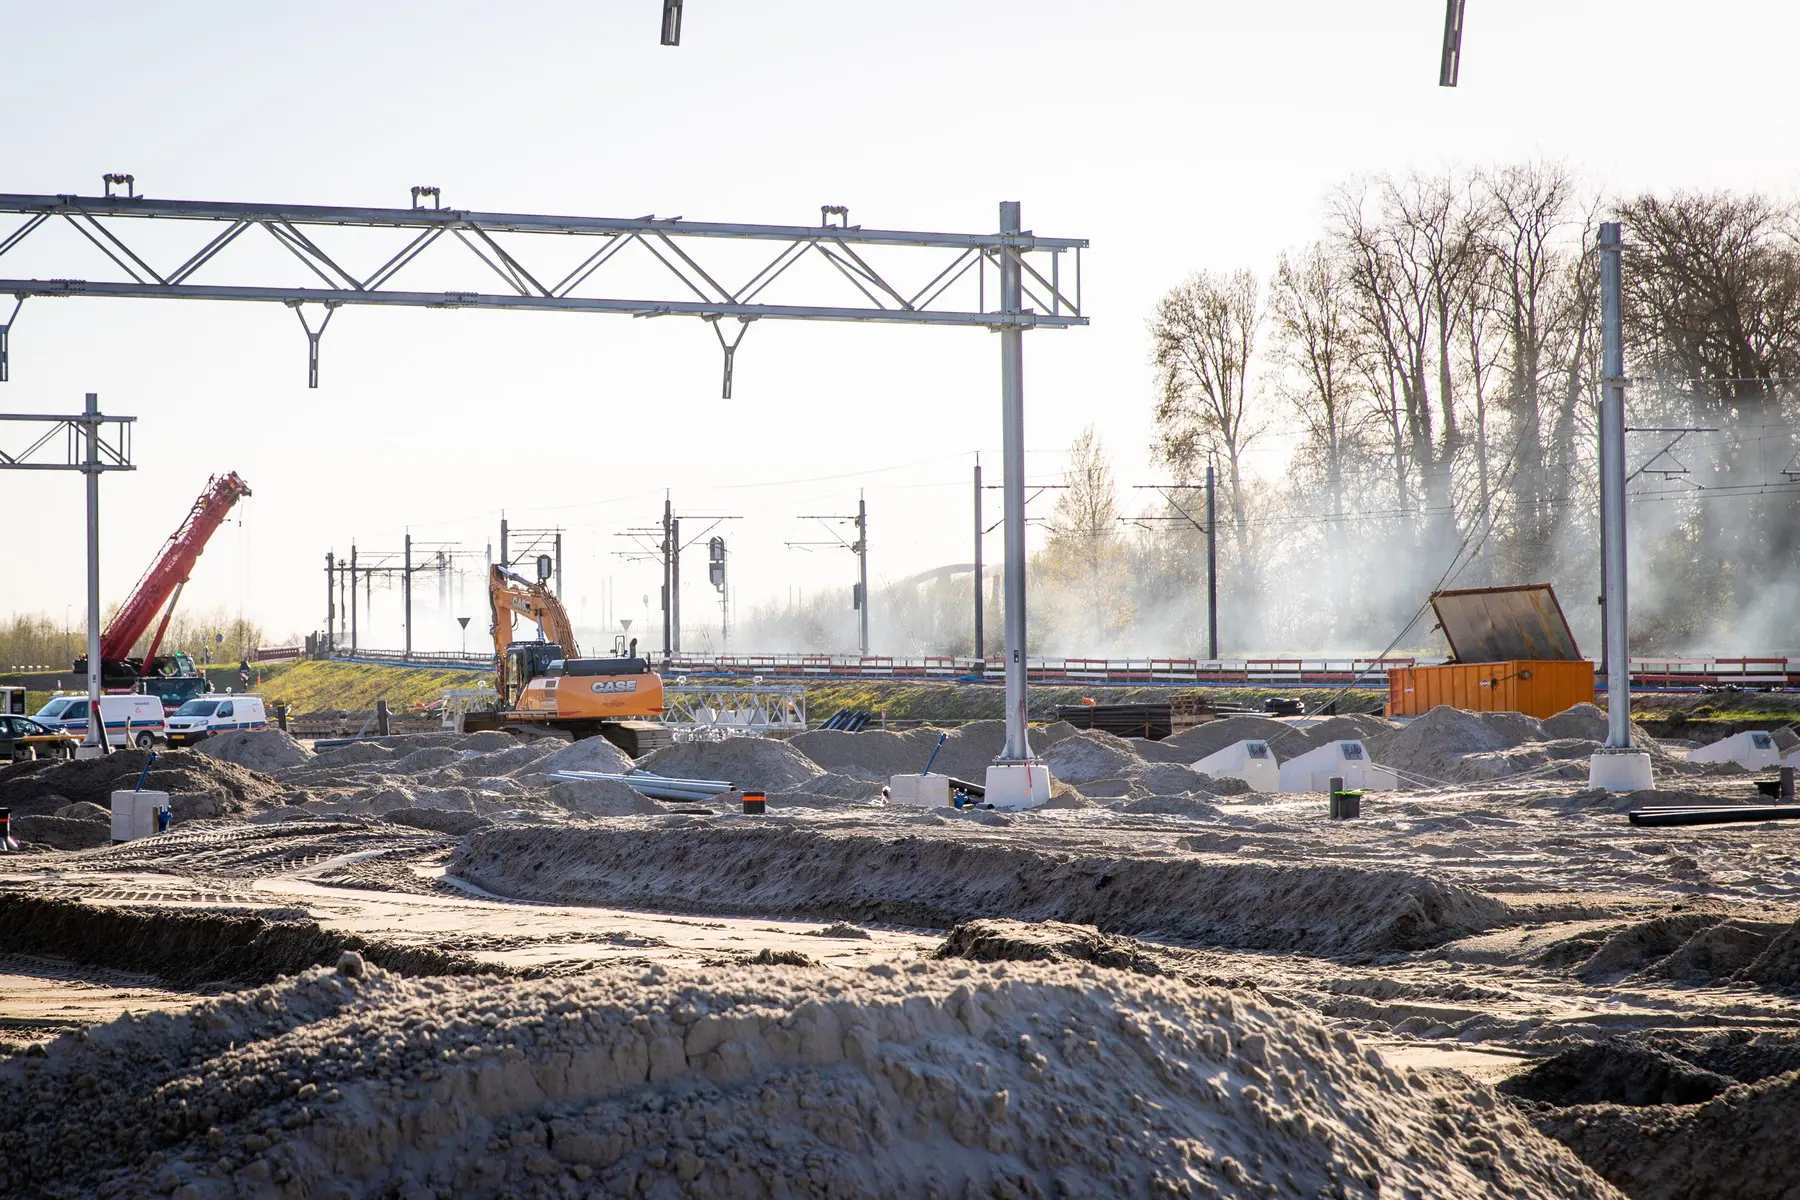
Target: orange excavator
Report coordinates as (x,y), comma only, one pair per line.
(546,687)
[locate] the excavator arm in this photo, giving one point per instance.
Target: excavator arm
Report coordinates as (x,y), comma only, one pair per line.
(510,594)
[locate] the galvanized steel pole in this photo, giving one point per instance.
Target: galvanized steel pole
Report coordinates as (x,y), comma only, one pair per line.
(1212,570)
(980,641)
(95,742)
(1012,434)
(1612,490)
(862,566)
(406,594)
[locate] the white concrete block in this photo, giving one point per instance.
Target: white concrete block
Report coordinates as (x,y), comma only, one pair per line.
(1620,771)
(921,791)
(1313,771)
(1755,750)
(1249,760)
(134,814)
(1018,785)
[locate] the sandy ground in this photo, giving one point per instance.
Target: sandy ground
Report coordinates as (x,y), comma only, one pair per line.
(1485,924)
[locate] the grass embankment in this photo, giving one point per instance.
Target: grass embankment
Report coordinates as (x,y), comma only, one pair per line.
(322,686)
(1708,716)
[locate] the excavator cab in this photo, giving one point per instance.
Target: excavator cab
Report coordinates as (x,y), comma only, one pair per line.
(526,661)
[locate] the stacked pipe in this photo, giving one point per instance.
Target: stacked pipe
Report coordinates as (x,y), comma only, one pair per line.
(657,787)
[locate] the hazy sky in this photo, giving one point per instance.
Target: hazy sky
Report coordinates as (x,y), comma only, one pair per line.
(1174,135)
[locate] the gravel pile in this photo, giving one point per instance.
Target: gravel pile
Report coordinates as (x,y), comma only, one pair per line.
(1008,1081)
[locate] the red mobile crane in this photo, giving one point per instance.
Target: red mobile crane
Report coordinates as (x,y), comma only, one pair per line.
(175,677)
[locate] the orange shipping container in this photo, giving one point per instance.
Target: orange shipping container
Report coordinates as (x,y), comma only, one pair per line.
(1535,688)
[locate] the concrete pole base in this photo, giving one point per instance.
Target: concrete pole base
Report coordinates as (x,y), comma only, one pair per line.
(90,751)
(1620,771)
(1016,785)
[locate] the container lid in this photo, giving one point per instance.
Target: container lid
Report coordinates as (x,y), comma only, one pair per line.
(1505,624)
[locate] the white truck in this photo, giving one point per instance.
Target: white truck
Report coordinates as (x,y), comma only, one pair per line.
(206,715)
(130,720)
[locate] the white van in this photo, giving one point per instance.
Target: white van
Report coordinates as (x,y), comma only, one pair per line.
(130,720)
(204,715)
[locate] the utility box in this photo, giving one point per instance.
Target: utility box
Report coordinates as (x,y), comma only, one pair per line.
(1349,760)
(1755,750)
(920,791)
(1251,761)
(134,814)
(1513,652)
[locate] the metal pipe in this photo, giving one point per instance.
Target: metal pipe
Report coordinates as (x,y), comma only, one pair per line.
(96,734)
(1012,435)
(1612,490)
(1652,818)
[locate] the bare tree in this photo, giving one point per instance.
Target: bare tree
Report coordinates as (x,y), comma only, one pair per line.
(1309,305)
(1204,334)
(1085,550)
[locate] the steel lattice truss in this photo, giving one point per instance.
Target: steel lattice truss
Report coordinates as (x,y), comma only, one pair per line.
(62,444)
(504,254)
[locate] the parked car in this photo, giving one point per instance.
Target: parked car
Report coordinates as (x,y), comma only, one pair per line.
(207,715)
(130,720)
(23,739)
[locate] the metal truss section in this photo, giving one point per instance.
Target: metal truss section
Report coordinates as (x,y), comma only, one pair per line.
(713,711)
(508,267)
(59,443)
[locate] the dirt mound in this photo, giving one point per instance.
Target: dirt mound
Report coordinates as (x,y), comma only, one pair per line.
(354,754)
(1022,1080)
(1171,806)
(1091,754)
(1615,1072)
(1743,1144)
(1045,941)
(264,750)
(198,785)
(961,873)
(1778,966)
(748,762)
(191,947)
(1214,736)
(84,811)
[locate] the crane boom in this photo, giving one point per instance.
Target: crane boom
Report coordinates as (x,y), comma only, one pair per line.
(172,567)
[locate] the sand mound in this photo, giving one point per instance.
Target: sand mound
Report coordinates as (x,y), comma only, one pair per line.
(1447,744)
(602,798)
(1088,755)
(62,833)
(1045,941)
(1006,1081)
(354,754)
(1171,806)
(84,811)
(198,785)
(1639,944)
(962,873)
(747,762)
(1743,1144)
(1350,727)
(874,754)
(192,947)
(486,741)
(259,749)
(1585,721)
(1214,736)
(588,754)
(1615,1072)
